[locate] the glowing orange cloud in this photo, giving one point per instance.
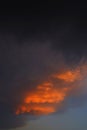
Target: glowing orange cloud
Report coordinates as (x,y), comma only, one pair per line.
(42,100)
(69,76)
(46,97)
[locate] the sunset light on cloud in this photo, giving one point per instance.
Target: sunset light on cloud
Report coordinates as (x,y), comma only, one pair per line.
(43,67)
(48,96)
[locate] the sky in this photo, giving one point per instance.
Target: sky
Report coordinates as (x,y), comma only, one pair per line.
(43,68)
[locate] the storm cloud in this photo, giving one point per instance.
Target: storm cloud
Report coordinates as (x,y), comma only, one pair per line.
(43,69)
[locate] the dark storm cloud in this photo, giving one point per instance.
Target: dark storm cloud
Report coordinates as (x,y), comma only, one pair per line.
(27,58)
(22,67)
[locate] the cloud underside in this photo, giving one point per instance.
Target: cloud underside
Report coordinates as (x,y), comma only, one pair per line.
(37,80)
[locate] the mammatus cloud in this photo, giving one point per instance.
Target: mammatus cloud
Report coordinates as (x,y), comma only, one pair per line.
(37,81)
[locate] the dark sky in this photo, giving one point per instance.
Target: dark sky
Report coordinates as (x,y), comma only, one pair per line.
(43,66)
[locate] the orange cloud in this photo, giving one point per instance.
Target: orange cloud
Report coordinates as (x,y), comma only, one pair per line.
(46,97)
(69,76)
(43,99)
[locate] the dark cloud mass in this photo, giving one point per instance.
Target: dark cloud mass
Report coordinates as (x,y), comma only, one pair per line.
(39,52)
